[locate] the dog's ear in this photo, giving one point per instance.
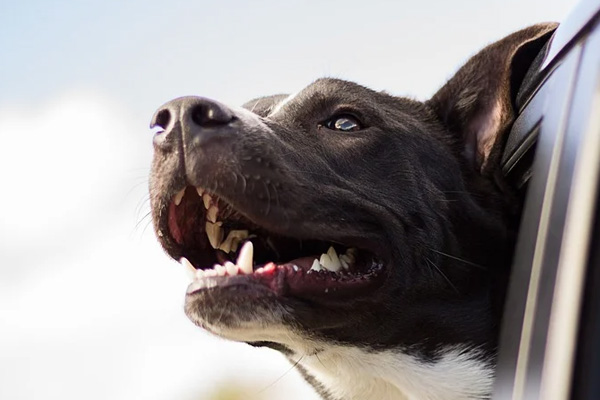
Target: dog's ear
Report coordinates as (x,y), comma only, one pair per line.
(477,103)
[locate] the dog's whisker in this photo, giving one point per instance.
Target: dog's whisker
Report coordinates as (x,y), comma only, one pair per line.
(147,225)
(311,173)
(296,363)
(142,219)
(276,195)
(268,198)
(432,264)
(458,258)
(141,203)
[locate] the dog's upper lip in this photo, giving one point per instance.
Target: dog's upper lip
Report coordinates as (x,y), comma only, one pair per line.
(290,274)
(173,241)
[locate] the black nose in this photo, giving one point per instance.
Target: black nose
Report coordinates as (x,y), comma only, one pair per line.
(197,119)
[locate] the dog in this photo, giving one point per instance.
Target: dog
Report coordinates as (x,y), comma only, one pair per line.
(367,237)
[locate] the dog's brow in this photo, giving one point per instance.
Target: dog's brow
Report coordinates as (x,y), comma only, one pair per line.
(282,103)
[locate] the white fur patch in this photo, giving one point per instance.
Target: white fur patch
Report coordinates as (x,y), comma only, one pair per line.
(355,374)
(352,373)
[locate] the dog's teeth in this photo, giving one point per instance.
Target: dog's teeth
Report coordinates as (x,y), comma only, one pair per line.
(210,272)
(211,214)
(235,243)
(244,261)
(178,197)
(231,268)
(189,268)
(316,266)
(199,274)
(233,240)
(350,256)
(328,263)
(346,260)
(215,234)
(335,261)
(207,199)
(220,270)
(225,246)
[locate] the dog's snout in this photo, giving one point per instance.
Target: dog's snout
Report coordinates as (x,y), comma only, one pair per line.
(196,119)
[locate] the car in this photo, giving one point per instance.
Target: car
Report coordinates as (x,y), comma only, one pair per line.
(550,340)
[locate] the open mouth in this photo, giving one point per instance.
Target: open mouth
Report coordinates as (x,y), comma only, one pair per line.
(221,247)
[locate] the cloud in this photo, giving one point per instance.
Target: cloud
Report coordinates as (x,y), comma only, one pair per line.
(61,164)
(90,307)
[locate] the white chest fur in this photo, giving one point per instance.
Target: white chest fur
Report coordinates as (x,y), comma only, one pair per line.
(356,374)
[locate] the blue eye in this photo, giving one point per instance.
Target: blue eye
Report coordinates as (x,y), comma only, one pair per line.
(344,123)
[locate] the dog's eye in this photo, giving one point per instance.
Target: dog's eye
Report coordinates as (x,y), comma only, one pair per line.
(345,123)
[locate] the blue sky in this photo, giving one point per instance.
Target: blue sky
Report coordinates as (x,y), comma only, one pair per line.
(87,298)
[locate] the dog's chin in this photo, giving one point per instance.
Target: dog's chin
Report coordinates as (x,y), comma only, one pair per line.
(237,313)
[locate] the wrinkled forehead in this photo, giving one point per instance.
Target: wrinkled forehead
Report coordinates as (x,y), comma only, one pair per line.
(327,97)
(324,94)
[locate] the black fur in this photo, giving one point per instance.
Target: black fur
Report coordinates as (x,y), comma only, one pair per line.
(416,186)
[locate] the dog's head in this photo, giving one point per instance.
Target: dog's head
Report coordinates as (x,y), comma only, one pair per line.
(374,220)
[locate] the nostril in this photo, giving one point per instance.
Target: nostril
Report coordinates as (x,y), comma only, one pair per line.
(210,115)
(161,120)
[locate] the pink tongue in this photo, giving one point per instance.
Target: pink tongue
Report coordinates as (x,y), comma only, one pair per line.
(304,262)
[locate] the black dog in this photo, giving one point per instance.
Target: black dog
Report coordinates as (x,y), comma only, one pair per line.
(367,236)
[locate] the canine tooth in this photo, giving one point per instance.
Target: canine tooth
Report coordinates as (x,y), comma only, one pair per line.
(295,268)
(189,268)
(215,234)
(335,261)
(179,196)
(206,198)
(316,266)
(244,261)
(231,268)
(220,270)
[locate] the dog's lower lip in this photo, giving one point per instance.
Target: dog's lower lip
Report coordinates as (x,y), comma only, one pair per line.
(286,280)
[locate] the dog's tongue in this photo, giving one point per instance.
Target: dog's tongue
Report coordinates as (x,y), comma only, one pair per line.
(304,263)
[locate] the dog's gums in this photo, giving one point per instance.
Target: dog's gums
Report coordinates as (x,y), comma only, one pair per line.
(222,248)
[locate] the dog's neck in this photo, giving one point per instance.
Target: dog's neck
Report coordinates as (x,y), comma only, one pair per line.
(347,373)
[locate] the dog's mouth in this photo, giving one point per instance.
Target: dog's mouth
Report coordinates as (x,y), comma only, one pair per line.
(222,247)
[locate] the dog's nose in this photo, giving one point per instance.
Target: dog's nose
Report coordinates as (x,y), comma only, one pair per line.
(196,119)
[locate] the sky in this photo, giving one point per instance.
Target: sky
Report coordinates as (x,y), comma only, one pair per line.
(90,306)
